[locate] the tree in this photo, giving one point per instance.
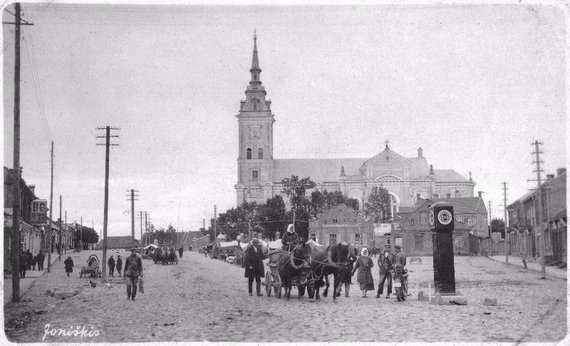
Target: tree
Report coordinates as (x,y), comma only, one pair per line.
(326,200)
(296,190)
(498,225)
(89,236)
(378,207)
(272,217)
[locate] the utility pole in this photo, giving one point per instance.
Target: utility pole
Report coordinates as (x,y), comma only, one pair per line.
(60,233)
(215,222)
(132,199)
(537,161)
(65,223)
(505,223)
(141,218)
(15,231)
(48,243)
(81,236)
(106,207)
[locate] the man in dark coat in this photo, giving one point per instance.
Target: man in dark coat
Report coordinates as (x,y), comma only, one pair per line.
(68,265)
(111,263)
(133,269)
(385,262)
(40,258)
(119,264)
(29,258)
(180,252)
(253,263)
(399,257)
(23,264)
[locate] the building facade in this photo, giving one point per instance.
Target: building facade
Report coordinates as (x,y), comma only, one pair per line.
(539,210)
(341,224)
(407,179)
(415,235)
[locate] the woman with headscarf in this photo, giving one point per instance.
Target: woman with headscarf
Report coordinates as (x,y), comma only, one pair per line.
(290,238)
(364,265)
(68,265)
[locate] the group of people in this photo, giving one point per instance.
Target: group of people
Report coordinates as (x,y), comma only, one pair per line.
(28,261)
(115,265)
(254,269)
(386,261)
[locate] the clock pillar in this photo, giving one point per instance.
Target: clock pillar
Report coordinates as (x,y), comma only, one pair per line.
(441,221)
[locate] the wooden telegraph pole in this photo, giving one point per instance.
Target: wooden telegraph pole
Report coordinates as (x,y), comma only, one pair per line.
(60,233)
(106,207)
(539,227)
(505,223)
(132,195)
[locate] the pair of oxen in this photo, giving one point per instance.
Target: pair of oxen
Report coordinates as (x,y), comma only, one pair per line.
(335,260)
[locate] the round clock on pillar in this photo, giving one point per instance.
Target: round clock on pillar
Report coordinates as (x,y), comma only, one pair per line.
(442,216)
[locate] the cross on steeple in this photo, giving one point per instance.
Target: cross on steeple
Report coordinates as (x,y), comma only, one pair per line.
(387,141)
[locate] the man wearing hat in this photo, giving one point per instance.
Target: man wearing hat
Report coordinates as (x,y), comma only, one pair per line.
(133,269)
(253,262)
(385,261)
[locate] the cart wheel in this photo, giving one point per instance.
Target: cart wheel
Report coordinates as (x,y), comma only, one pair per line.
(268,285)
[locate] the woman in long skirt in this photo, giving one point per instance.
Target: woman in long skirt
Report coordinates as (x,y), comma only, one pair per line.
(364,265)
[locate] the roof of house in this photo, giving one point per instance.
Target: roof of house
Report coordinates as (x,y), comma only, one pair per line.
(461,205)
(119,242)
(329,170)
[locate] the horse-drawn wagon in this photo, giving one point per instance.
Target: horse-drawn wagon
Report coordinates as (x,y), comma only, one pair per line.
(293,268)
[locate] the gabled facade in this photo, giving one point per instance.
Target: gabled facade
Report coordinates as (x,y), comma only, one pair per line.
(340,224)
(407,179)
(415,235)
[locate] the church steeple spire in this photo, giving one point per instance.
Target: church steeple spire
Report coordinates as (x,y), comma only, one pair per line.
(255,70)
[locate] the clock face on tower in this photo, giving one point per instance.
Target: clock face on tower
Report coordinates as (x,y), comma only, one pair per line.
(431,218)
(444,217)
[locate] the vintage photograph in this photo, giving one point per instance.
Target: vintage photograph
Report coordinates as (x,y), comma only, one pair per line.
(293,173)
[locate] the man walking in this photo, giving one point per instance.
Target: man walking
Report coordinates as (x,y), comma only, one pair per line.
(385,262)
(133,269)
(111,263)
(119,264)
(253,263)
(40,258)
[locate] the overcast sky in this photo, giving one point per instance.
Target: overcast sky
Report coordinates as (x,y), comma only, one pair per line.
(472,85)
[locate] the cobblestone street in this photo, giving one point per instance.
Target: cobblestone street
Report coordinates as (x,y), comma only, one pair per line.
(206,300)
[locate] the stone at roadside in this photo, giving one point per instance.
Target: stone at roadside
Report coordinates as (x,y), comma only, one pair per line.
(422,296)
(458,301)
(490,302)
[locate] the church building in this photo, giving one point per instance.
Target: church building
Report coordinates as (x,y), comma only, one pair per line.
(407,179)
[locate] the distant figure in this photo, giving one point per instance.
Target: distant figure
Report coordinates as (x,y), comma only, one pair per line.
(68,265)
(180,251)
(34,261)
(133,269)
(364,278)
(23,264)
(29,257)
(111,263)
(119,264)
(40,257)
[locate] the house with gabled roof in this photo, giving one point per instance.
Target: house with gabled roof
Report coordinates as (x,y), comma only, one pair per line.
(415,235)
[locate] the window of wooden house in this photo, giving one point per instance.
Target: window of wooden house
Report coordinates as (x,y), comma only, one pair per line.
(412,222)
(332,239)
(334,220)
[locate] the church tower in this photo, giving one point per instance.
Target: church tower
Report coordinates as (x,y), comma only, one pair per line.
(255,151)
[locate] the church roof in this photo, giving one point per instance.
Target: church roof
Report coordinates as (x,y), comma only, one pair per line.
(464,205)
(319,170)
(447,175)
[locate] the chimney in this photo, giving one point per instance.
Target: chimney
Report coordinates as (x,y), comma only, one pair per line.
(431,169)
(420,152)
(480,194)
(418,196)
(32,189)
(560,171)
(549,176)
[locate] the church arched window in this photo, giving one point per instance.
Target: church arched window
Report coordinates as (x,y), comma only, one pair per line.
(260,153)
(457,194)
(248,154)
